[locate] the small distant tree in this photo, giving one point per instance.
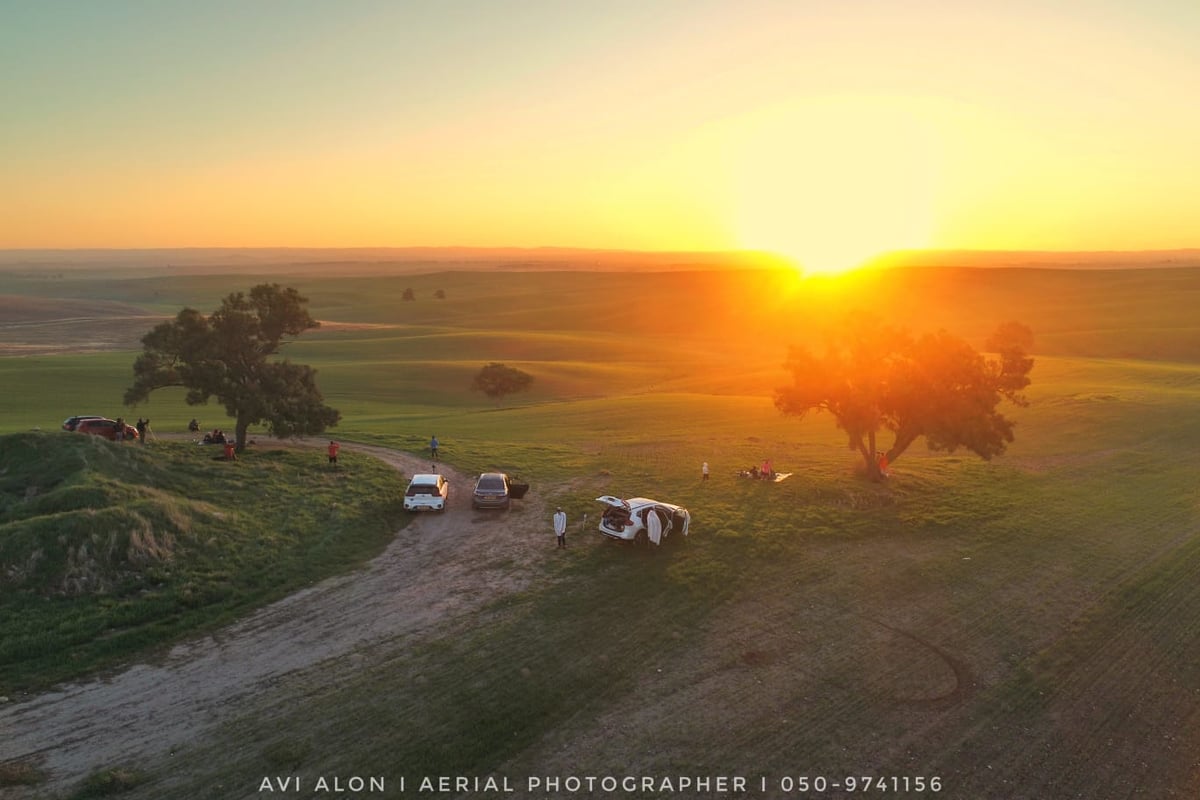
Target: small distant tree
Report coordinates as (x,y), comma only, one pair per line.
(872,379)
(409,294)
(440,294)
(227,355)
(497,380)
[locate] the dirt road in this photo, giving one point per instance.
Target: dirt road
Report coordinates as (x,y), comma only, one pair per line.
(438,568)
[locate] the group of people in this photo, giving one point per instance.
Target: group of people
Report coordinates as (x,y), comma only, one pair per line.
(215,436)
(766,472)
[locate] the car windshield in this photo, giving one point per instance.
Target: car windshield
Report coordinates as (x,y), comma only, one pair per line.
(421,488)
(491,484)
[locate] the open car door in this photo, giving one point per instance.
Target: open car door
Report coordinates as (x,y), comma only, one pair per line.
(654,525)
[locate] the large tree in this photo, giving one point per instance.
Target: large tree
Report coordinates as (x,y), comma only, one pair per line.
(228,355)
(875,379)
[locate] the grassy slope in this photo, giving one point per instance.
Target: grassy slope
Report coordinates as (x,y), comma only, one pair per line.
(1004,625)
(106,550)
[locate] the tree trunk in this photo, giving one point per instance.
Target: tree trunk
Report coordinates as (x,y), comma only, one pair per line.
(240,429)
(871,463)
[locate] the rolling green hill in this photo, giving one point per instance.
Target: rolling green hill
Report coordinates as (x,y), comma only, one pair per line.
(106,550)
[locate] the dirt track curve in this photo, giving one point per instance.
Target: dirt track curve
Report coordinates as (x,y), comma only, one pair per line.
(441,566)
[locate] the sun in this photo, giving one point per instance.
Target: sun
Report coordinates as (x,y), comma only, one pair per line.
(829,185)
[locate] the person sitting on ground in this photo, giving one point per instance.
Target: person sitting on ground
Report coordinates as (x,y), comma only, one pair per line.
(194,426)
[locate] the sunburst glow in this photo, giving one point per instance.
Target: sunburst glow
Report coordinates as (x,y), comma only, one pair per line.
(833,183)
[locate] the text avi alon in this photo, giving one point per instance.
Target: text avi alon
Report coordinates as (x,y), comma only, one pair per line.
(336,783)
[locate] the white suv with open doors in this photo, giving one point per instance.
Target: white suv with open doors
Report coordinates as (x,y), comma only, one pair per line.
(629,520)
(426,491)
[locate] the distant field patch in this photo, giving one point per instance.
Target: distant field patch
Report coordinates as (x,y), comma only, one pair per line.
(334,325)
(50,325)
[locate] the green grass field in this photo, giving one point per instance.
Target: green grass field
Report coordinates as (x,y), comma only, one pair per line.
(1019,628)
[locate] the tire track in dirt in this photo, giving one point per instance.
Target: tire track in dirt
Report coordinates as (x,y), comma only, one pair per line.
(964,680)
(438,568)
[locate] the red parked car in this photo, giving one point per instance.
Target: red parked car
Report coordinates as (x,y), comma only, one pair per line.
(105,427)
(71,423)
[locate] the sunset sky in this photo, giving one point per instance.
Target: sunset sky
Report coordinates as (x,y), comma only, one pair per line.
(826,131)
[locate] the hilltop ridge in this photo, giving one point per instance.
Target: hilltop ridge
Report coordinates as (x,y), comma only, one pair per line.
(405,260)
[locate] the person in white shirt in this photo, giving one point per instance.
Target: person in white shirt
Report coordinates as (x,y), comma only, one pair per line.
(560,527)
(704,471)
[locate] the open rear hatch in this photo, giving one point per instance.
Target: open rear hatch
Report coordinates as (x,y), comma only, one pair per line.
(617,514)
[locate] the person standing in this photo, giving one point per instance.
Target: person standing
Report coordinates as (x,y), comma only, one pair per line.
(560,527)
(333,451)
(141,429)
(704,471)
(433,446)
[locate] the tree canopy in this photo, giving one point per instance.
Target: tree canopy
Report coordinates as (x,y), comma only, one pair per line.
(934,386)
(497,380)
(227,355)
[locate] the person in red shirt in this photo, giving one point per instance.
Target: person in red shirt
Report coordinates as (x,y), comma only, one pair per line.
(229,454)
(333,451)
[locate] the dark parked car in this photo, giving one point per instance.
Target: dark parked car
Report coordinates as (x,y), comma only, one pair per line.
(71,423)
(491,491)
(106,428)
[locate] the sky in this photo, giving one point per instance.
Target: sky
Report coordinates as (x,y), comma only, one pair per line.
(823,131)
